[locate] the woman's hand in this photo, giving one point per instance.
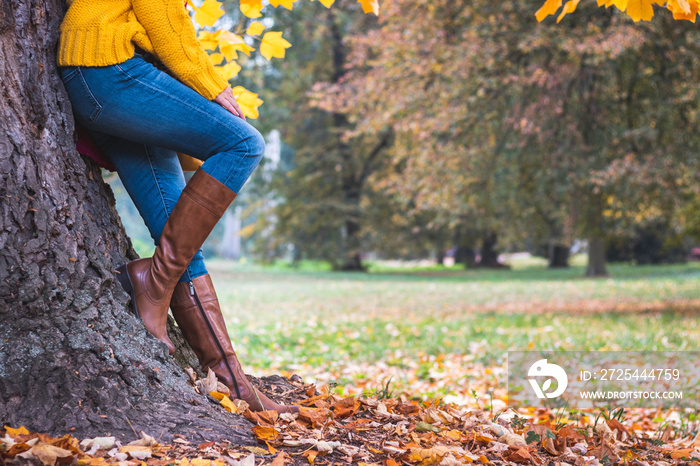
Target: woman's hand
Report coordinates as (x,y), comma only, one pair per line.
(228,101)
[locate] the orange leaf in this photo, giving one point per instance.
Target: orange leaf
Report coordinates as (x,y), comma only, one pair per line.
(15,432)
(569,7)
(370,6)
(265,432)
(310,455)
(549,8)
(272,449)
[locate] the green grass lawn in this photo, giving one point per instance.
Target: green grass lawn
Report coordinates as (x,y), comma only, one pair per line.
(317,322)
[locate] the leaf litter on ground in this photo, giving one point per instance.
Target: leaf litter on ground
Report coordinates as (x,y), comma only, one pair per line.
(371,430)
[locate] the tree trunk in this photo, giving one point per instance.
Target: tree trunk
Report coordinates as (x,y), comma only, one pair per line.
(558,256)
(464,247)
(489,255)
(72,358)
(440,251)
(596,258)
(352,260)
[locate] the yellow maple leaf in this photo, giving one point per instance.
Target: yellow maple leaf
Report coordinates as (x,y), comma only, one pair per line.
(230,44)
(229,70)
(255,28)
(569,7)
(251,8)
(248,101)
(640,10)
(326,3)
(15,432)
(288,4)
(208,13)
(549,8)
(273,45)
(370,6)
(216,58)
(620,4)
(209,40)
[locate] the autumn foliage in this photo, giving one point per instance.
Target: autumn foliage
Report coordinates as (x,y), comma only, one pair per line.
(638,10)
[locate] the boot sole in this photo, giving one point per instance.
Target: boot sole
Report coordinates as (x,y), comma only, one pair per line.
(125,281)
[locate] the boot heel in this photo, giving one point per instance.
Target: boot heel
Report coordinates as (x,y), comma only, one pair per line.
(125,282)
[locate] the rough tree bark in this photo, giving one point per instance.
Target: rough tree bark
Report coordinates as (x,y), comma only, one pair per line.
(72,358)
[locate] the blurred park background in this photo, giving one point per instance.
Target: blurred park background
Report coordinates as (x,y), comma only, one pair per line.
(454,180)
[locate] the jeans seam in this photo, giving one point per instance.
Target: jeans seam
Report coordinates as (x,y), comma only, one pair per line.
(84,84)
(158,184)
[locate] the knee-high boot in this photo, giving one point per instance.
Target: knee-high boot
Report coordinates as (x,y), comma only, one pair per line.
(151,281)
(198,314)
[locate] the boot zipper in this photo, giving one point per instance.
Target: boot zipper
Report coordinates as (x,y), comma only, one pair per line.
(218,344)
(191,288)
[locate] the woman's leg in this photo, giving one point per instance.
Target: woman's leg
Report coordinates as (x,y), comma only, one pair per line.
(136,101)
(154,180)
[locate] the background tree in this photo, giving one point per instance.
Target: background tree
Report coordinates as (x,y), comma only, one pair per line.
(529,131)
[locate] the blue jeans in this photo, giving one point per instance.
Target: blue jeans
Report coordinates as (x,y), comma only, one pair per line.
(140,117)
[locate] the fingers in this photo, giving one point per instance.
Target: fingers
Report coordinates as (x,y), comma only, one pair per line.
(238,108)
(228,101)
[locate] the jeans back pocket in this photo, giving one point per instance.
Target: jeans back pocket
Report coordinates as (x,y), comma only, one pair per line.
(85,105)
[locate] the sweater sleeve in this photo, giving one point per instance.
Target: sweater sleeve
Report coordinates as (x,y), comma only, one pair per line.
(175,43)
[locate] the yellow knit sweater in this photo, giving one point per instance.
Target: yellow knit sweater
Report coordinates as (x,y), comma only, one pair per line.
(104,32)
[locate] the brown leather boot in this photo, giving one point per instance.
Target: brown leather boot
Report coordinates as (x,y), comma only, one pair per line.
(197,313)
(151,281)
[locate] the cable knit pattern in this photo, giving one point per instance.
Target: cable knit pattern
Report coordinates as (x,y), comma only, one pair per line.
(105,32)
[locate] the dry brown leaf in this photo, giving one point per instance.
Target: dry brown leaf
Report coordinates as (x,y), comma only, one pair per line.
(686,453)
(263,418)
(49,455)
(623,433)
(257,450)
(208,384)
(315,417)
(145,441)
(310,455)
(136,452)
(518,454)
(450,460)
(434,454)
(512,439)
(280,459)
(569,431)
(604,451)
(407,408)
(345,407)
